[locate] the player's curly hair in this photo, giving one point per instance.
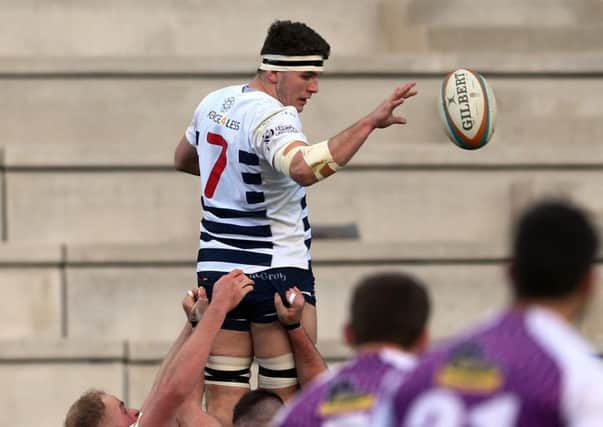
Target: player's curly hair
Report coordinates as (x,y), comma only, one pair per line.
(87,411)
(294,38)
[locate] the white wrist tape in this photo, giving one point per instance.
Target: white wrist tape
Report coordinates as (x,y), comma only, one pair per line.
(317,156)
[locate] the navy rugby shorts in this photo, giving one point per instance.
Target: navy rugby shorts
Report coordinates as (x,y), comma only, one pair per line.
(258,305)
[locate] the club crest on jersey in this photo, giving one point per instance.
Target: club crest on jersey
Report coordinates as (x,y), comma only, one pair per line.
(468,370)
(223,120)
(227,104)
(343,398)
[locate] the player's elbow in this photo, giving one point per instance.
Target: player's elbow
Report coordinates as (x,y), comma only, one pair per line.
(300,172)
(303,176)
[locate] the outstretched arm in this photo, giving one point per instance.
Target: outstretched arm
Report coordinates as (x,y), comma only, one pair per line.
(343,146)
(308,361)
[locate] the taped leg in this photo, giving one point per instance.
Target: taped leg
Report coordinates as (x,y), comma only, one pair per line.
(227,373)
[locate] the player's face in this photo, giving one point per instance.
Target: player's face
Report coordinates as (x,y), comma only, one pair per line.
(116,413)
(295,88)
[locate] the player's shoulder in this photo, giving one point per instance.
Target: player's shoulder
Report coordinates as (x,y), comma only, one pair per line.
(575,357)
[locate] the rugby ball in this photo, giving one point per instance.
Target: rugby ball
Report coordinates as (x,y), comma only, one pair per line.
(467,109)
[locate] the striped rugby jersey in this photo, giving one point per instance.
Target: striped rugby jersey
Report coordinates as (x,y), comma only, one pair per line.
(254,217)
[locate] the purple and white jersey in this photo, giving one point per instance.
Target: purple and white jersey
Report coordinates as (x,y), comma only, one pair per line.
(347,395)
(527,368)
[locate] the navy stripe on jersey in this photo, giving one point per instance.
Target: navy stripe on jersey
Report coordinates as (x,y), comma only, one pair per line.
(308,242)
(306,223)
(254,197)
(248,158)
(197,133)
(232,213)
(303,202)
(234,256)
(220,228)
(238,243)
(252,178)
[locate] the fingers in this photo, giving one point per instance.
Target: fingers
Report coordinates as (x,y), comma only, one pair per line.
(278,303)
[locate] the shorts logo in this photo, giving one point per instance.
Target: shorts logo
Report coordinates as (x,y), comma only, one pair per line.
(269,276)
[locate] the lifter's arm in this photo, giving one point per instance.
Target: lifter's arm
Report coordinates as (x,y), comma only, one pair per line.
(184,371)
(308,361)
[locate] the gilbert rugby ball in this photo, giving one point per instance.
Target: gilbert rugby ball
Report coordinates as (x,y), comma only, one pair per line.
(467,109)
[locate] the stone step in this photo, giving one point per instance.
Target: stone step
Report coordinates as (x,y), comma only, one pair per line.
(121,115)
(491,12)
(122,28)
(516,39)
(374,63)
(456,204)
(377,153)
(97,289)
(36,28)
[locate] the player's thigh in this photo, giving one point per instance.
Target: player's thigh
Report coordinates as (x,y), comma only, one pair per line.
(232,343)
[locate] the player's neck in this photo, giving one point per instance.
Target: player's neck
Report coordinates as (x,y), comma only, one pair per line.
(374,347)
(260,84)
(568,311)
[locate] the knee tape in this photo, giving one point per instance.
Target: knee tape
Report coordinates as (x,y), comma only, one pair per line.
(277,372)
(228,371)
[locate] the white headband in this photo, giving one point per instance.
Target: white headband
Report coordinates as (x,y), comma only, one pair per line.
(291,63)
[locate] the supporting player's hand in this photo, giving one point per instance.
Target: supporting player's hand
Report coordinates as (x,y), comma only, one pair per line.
(384,116)
(230,289)
(194,304)
(292,314)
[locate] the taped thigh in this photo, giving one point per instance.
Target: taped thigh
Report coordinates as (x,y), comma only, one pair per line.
(277,372)
(228,371)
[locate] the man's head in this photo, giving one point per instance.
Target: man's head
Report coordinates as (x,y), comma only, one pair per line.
(554,248)
(389,308)
(292,59)
(256,409)
(99,409)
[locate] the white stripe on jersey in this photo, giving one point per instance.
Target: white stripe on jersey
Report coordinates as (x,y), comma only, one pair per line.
(581,371)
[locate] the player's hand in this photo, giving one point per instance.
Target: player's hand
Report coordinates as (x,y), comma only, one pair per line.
(290,315)
(384,116)
(189,301)
(194,304)
(230,289)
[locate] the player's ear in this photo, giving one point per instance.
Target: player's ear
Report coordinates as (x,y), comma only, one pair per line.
(272,76)
(422,342)
(348,335)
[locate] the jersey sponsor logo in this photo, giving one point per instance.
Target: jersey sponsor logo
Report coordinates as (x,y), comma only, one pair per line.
(342,397)
(277,130)
(468,370)
(223,120)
